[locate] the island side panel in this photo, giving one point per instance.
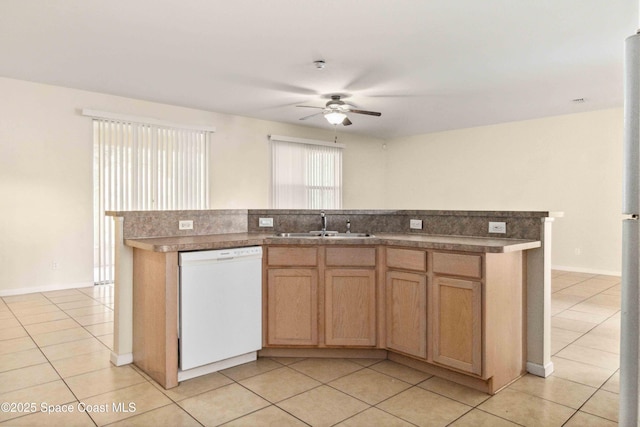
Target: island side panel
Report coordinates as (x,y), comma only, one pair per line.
(505,324)
(155,315)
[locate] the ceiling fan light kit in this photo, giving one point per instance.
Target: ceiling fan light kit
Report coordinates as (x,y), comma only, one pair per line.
(335,117)
(335,111)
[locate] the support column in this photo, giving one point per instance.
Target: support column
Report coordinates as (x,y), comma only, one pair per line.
(122,353)
(630,326)
(539,305)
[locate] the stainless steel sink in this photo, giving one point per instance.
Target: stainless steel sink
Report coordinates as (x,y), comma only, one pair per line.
(296,235)
(328,235)
(350,236)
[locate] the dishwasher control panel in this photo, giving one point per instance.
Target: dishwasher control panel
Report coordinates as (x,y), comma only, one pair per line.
(220,254)
(236,252)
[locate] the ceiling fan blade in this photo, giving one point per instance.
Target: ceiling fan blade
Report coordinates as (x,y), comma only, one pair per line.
(312,115)
(370,113)
(309,106)
(400,95)
(346,121)
(270,84)
(370,78)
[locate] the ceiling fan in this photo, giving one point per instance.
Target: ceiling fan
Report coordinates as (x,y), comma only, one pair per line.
(335,111)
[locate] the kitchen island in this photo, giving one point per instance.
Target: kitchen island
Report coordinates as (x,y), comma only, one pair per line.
(459,270)
(470,316)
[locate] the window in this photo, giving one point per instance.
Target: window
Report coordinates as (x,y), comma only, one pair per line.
(143,166)
(305,174)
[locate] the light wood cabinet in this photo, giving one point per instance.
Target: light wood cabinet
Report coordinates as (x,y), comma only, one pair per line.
(321,296)
(458,315)
(406,312)
(294,256)
(290,287)
(476,316)
(455,318)
(292,304)
(456,324)
(406,259)
(350,307)
(350,257)
(452,264)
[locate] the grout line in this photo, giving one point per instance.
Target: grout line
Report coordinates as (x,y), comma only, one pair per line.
(379,409)
(590,397)
(270,402)
(489,413)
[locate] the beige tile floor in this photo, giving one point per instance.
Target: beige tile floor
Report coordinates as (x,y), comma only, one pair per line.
(54,355)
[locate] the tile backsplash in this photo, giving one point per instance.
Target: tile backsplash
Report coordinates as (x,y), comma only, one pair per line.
(145,224)
(520,225)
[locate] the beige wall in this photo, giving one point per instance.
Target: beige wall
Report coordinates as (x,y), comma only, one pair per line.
(570,163)
(46,177)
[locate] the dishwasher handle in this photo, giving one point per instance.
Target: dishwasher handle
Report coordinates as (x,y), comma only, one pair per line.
(222,255)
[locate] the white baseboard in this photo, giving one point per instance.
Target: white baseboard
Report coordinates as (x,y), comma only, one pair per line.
(586,270)
(539,370)
(121,359)
(34,289)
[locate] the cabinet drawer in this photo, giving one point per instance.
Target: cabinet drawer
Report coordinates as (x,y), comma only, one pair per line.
(292,256)
(350,257)
(457,264)
(408,259)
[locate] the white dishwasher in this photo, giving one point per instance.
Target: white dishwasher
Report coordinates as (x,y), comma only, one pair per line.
(220,309)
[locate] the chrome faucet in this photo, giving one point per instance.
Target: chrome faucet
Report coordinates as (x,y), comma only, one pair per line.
(323,217)
(348,226)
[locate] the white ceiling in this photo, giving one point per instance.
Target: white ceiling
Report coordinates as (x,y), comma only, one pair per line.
(427,65)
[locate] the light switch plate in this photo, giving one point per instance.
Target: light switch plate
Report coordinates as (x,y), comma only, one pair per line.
(497,227)
(265,222)
(415,224)
(185,225)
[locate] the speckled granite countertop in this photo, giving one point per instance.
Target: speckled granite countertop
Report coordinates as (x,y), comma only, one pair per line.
(198,243)
(423,241)
(458,243)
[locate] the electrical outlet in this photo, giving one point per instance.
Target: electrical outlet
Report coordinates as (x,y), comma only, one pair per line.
(185,225)
(265,222)
(498,227)
(415,224)
(54,265)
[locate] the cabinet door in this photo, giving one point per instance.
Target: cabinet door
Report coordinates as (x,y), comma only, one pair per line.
(457,324)
(350,307)
(292,306)
(406,301)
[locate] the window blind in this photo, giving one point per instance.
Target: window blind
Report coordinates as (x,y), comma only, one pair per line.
(305,175)
(141,166)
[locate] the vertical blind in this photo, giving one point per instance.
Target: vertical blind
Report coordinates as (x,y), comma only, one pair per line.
(305,175)
(140,166)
